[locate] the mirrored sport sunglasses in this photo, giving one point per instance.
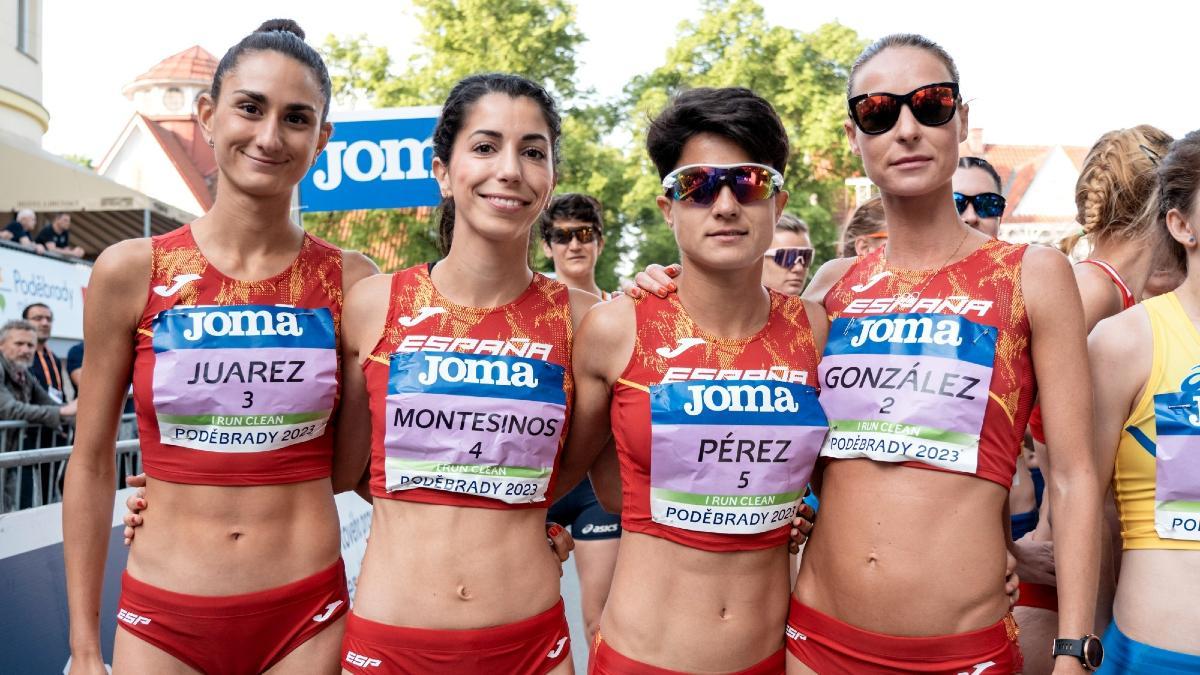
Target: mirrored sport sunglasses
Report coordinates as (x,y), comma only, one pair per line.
(701,183)
(787,258)
(932,105)
(987,204)
(562,235)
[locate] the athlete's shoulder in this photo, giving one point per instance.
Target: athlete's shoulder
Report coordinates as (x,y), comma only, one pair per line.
(1121,342)
(607,322)
(356,266)
(131,258)
(1037,259)
(825,278)
(371,288)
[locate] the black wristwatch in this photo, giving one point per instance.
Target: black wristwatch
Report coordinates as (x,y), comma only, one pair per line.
(1087,649)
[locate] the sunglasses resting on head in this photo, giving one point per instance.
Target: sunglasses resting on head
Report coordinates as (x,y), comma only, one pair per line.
(932,105)
(701,183)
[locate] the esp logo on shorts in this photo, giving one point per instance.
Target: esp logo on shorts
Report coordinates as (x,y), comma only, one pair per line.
(361,660)
(131,618)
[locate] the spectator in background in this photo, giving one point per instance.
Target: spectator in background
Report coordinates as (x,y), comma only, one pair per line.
(791,253)
(865,231)
(47,367)
(20,230)
(56,237)
(977,196)
(572,230)
(22,397)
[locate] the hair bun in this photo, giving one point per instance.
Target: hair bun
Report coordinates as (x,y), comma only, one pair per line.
(283,26)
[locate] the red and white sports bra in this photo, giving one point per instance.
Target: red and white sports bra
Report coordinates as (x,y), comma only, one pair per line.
(234,381)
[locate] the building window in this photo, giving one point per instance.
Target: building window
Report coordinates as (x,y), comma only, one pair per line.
(27,31)
(173,99)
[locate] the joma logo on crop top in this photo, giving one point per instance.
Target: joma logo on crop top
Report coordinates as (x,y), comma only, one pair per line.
(740,398)
(454,369)
(909,331)
(442,343)
(241,322)
(954,304)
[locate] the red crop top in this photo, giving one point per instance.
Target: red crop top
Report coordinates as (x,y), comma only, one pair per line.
(234,381)
(941,380)
(469,406)
(716,438)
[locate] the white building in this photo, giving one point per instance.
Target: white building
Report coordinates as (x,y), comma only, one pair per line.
(161,151)
(21,111)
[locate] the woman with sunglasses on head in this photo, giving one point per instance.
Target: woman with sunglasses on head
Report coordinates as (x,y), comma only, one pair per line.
(1146,372)
(706,393)
(927,379)
(466,370)
(790,255)
(228,328)
(865,231)
(977,195)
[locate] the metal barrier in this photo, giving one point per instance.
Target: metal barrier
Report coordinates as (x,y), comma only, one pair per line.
(31,478)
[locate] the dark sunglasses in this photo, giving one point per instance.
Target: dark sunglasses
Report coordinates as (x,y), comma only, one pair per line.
(561,235)
(987,204)
(701,183)
(932,105)
(787,258)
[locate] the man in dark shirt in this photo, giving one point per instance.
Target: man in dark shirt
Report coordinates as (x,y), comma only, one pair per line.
(56,237)
(19,230)
(47,367)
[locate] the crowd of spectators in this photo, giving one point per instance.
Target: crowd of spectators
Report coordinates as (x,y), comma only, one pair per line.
(53,237)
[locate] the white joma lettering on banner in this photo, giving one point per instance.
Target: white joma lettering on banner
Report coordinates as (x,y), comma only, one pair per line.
(924,330)
(382,161)
(242,322)
(475,371)
(740,398)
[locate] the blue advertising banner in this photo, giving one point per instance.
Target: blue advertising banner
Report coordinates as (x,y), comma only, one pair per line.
(377,159)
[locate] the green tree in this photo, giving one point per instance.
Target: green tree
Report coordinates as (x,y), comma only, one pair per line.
(533,38)
(802,74)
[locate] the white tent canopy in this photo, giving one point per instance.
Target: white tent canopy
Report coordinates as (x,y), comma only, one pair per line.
(31,178)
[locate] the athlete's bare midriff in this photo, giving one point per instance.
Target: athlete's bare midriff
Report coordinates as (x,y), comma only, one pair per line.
(223,540)
(456,568)
(906,551)
(1156,598)
(693,610)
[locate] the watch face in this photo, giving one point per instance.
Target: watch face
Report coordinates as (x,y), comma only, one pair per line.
(1093,651)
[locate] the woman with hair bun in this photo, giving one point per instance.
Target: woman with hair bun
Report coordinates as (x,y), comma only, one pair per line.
(1146,375)
(228,328)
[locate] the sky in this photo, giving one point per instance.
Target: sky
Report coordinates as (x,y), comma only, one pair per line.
(1045,72)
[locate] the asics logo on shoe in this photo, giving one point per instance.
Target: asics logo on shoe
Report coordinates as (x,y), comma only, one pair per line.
(131,618)
(861,288)
(421,315)
(794,634)
(329,610)
(181,280)
(979,668)
(558,648)
(684,345)
(361,660)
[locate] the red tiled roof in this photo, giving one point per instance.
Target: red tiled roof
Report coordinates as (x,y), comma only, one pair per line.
(192,63)
(1019,164)
(183,144)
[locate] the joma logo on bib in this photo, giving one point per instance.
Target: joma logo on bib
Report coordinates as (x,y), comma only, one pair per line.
(476,371)
(238,323)
(740,398)
(924,330)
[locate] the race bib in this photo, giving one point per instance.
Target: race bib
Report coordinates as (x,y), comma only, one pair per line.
(907,387)
(1177,461)
(731,456)
(475,424)
(243,378)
